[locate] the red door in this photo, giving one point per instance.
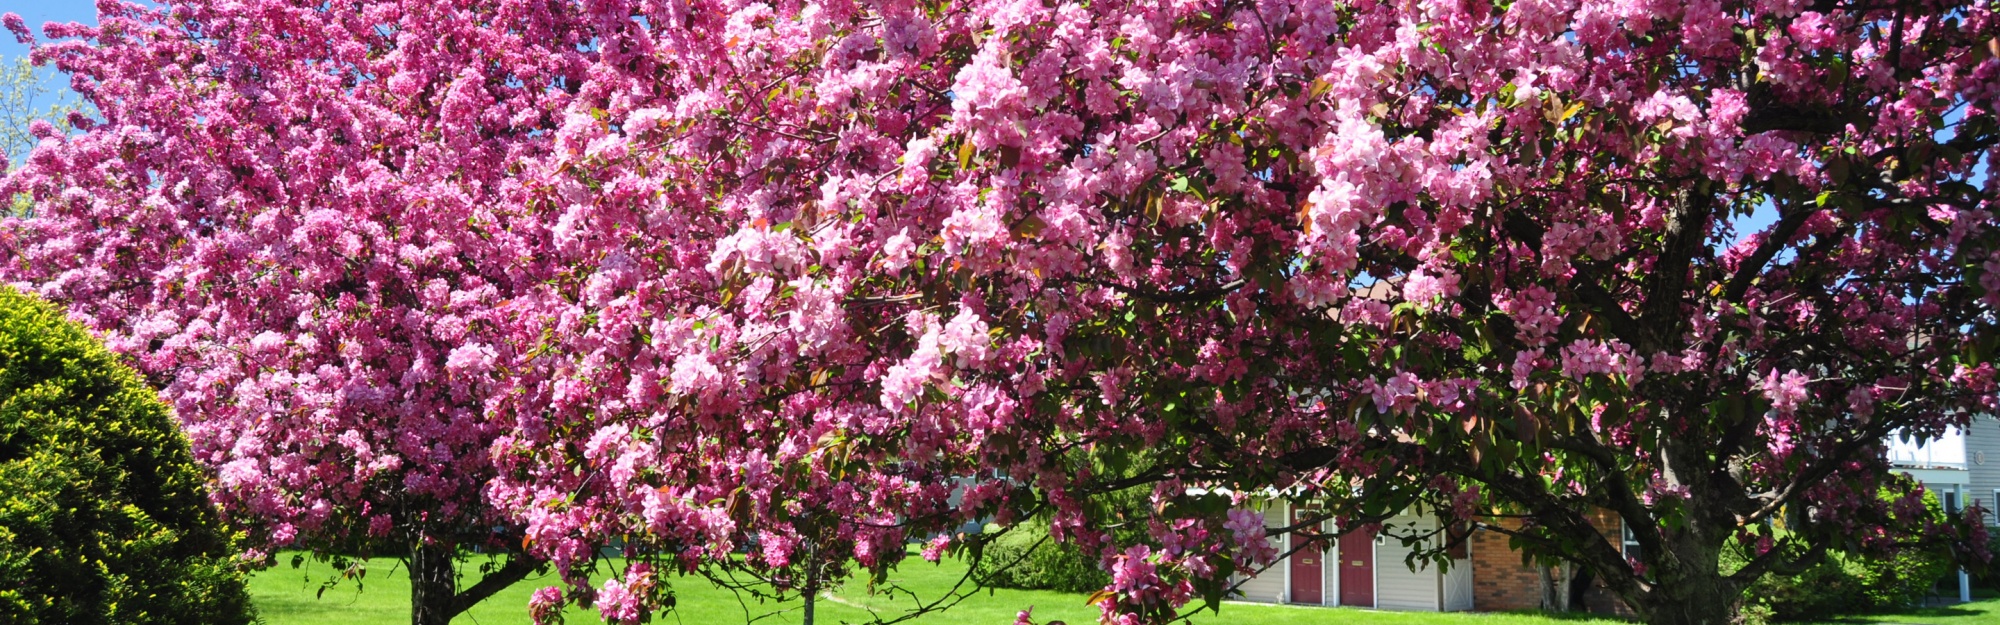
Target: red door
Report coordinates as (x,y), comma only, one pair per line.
(1357,569)
(1308,570)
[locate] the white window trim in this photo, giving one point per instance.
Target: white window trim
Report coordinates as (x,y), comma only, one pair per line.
(1286,597)
(1626,542)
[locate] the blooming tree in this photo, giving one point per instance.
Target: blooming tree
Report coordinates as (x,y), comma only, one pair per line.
(1685,264)
(820,278)
(288,215)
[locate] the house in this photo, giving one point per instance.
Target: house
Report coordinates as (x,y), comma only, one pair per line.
(1982,446)
(1362,569)
(1939,464)
(1365,570)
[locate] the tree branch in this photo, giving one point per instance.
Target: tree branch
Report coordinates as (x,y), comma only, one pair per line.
(518,566)
(1666,288)
(1169,297)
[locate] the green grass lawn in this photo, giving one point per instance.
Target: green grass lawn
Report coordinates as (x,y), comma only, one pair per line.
(1980,612)
(286,596)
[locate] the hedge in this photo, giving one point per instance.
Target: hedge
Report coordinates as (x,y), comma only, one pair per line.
(103,517)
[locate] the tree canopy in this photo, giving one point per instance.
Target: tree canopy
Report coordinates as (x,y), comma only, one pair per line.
(828,276)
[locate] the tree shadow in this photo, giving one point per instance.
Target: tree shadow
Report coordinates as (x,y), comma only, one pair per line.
(1572,616)
(1913,616)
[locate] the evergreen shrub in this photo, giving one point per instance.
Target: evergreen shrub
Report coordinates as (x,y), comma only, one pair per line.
(103,516)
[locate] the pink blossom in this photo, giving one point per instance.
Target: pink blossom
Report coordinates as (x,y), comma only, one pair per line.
(1132,572)
(965,338)
(471,359)
(1786,390)
(545,604)
(934,548)
(1533,311)
(617,603)
(896,252)
(1399,394)
(906,379)
(777,548)
(851,274)
(1427,289)
(1525,365)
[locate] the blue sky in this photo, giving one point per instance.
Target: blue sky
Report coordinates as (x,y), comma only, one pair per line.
(38,12)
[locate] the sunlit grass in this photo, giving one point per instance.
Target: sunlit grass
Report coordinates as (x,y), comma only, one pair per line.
(288,596)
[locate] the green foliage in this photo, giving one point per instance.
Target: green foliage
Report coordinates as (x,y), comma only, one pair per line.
(1990,578)
(1028,558)
(22,92)
(102,513)
(1846,583)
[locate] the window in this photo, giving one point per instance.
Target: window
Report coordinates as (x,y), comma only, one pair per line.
(1630,543)
(1950,499)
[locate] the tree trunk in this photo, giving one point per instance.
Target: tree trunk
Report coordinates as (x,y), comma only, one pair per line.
(1692,602)
(1558,587)
(1688,585)
(812,581)
(433,584)
(1546,576)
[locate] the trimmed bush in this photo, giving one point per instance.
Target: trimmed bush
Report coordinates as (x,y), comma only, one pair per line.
(1846,584)
(102,513)
(1049,565)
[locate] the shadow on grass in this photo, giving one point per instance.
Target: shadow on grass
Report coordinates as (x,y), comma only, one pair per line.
(1899,617)
(1565,616)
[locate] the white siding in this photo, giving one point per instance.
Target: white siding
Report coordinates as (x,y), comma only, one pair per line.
(1396,586)
(1982,450)
(1271,585)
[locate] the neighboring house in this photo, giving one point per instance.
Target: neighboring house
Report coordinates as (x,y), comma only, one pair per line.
(1940,464)
(1963,468)
(1360,570)
(1502,582)
(1982,446)
(1370,571)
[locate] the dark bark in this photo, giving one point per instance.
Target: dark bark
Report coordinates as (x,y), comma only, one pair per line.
(435,598)
(1693,600)
(811,593)
(433,583)
(517,568)
(1663,316)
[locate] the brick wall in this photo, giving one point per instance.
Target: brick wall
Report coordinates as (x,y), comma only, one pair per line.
(1500,582)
